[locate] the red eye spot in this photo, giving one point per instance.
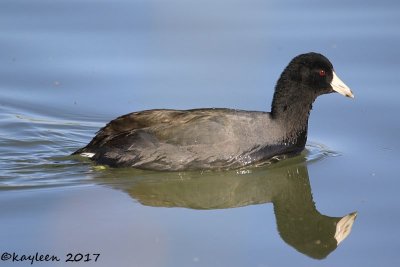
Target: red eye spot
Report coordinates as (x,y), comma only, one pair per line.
(322,73)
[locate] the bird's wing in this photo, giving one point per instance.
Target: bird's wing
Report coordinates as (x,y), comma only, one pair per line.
(178,127)
(128,123)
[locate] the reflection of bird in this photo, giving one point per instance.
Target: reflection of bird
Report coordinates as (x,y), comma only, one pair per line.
(301,225)
(219,138)
(288,188)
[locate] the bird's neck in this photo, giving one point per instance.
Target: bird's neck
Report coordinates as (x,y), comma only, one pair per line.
(291,110)
(294,115)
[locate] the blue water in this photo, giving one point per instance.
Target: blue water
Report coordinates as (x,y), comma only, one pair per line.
(68,67)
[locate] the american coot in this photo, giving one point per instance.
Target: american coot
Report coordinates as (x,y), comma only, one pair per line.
(216,138)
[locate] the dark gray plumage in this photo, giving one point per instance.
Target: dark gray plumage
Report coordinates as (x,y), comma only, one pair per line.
(219,138)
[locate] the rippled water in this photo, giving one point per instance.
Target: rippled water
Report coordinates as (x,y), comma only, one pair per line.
(68,67)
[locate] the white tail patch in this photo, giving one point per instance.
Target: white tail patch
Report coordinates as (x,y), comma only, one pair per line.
(87,154)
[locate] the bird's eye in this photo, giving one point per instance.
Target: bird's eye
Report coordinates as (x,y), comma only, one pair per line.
(322,73)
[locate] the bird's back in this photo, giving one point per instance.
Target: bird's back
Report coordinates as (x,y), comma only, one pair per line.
(186,139)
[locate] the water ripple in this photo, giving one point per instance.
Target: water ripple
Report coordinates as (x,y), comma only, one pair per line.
(315,152)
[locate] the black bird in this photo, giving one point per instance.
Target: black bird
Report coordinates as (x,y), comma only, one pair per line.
(216,138)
